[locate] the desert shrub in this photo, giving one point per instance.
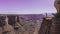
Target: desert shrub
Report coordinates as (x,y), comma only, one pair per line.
(57,15)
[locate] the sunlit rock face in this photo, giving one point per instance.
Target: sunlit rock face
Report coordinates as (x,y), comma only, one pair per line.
(30,23)
(27,24)
(57,5)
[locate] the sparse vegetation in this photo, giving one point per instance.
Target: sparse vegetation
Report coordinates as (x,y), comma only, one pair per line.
(57,15)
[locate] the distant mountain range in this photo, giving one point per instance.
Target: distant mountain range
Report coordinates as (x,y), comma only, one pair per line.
(35,16)
(31,16)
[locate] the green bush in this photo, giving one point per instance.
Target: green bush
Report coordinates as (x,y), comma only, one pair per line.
(57,15)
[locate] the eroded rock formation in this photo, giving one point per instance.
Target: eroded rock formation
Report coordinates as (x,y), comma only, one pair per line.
(18,25)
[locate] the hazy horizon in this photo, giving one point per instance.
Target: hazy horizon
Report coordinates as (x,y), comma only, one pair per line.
(26,6)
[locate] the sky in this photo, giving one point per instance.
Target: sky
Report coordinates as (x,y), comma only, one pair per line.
(26,6)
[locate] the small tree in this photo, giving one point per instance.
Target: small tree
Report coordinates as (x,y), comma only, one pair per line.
(57,15)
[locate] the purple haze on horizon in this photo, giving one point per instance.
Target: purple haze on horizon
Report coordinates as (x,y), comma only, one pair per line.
(26,6)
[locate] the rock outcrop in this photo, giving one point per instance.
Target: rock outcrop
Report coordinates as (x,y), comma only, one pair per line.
(21,25)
